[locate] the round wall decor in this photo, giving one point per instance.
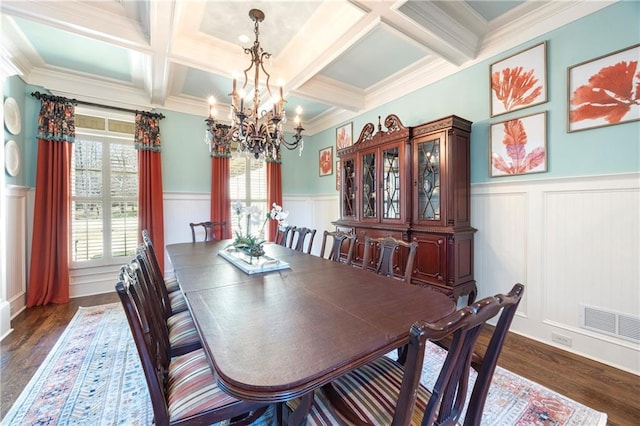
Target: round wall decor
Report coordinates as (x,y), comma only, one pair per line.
(12,119)
(12,158)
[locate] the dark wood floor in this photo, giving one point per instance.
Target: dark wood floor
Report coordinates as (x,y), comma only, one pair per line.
(593,384)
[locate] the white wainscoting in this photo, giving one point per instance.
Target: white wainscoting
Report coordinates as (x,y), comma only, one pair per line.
(570,241)
(315,212)
(16,245)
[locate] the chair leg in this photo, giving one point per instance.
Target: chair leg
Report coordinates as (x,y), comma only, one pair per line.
(299,416)
(402,354)
(248,418)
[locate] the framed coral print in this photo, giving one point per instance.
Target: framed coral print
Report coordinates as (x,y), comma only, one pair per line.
(604,91)
(338,175)
(325,161)
(519,81)
(519,146)
(344,136)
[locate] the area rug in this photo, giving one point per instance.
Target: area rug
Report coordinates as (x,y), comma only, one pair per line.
(93,376)
(513,400)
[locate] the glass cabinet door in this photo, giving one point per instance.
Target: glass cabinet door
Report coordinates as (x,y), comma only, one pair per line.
(428,179)
(368,190)
(348,187)
(391,183)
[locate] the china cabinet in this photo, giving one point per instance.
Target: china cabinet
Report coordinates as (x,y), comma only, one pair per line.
(413,183)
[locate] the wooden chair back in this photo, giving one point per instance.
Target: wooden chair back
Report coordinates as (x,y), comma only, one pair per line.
(145,258)
(209,230)
(301,234)
(153,348)
(284,236)
(386,248)
(450,390)
(337,240)
(136,275)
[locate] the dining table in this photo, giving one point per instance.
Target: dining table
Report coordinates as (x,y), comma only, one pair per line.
(281,334)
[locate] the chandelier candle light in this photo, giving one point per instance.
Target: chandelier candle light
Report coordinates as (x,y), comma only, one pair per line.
(257,132)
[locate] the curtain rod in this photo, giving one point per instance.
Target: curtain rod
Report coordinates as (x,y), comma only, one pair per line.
(39,95)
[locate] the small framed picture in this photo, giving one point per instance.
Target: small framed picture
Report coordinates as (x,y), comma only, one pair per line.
(519,146)
(344,136)
(604,91)
(325,161)
(338,175)
(519,81)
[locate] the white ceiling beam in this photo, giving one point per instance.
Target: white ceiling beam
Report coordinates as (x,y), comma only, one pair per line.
(441,35)
(81,18)
(331,92)
(161,17)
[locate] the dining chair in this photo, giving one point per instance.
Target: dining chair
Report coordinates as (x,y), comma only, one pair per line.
(183,389)
(170,282)
(172,302)
(180,328)
(338,238)
(385,248)
(386,392)
(300,235)
(209,230)
(284,236)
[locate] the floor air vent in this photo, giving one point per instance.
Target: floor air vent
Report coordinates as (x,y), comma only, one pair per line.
(611,323)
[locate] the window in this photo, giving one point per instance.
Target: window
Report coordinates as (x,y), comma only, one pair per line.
(247,184)
(104,192)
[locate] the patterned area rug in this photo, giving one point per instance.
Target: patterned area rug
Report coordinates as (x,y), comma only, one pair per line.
(514,400)
(93,376)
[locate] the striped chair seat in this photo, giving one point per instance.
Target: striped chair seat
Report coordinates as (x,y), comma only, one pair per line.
(192,387)
(172,284)
(182,387)
(385,392)
(183,336)
(370,391)
(178,302)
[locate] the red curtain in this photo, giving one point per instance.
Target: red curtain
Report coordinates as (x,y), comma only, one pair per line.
(150,202)
(274,193)
(49,269)
(220,198)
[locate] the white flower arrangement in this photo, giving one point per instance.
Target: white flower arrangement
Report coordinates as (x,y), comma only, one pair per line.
(246,241)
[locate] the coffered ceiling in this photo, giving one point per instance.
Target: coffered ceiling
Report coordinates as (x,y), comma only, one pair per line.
(335,58)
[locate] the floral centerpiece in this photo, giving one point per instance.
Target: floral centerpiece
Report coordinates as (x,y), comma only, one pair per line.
(246,241)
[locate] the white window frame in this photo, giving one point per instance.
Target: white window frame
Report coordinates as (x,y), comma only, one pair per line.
(106,137)
(248,200)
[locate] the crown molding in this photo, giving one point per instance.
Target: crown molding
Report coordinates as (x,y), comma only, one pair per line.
(88,89)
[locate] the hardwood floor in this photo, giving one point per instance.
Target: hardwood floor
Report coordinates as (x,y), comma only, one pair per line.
(596,385)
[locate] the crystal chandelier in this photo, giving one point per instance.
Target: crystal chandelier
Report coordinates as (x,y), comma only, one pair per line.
(256,132)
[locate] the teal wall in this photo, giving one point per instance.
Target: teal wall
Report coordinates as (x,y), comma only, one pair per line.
(607,150)
(186,164)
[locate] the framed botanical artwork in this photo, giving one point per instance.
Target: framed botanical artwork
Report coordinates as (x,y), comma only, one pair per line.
(344,136)
(338,175)
(604,91)
(325,161)
(519,81)
(519,146)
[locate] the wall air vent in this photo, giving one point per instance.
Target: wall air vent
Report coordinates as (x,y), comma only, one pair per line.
(612,323)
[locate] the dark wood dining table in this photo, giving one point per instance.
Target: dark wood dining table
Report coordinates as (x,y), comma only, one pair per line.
(279,335)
